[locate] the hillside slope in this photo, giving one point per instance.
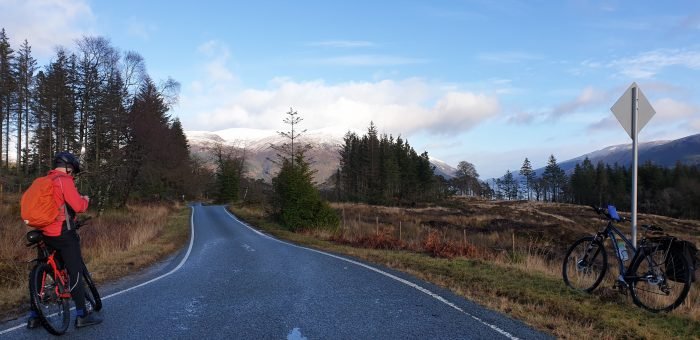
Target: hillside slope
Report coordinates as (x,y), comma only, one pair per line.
(664,153)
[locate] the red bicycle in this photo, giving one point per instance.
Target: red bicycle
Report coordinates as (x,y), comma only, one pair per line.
(49,287)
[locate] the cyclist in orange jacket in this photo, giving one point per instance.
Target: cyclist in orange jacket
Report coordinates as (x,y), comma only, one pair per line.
(62,236)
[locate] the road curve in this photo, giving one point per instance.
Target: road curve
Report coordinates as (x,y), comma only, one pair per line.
(233,282)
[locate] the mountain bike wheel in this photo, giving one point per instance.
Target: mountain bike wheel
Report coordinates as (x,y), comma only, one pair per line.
(45,296)
(660,281)
(585,264)
(93,301)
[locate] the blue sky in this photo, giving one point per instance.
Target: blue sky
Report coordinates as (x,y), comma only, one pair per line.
(489,82)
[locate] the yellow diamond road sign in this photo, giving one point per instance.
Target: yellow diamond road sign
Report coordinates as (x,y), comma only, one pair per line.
(623,110)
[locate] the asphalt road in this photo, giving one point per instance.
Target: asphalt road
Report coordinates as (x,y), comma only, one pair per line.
(233,282)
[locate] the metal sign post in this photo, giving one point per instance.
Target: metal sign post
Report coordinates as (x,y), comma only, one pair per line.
(633,111)
(635,163)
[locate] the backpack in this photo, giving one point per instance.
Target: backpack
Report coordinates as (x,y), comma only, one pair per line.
(675,269)
(38,208)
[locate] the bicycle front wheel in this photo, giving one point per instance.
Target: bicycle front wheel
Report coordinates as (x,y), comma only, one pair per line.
(660,280)
(585,264)
(92,296)
(46,298)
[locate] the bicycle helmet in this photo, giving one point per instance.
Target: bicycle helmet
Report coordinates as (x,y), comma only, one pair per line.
(66,159)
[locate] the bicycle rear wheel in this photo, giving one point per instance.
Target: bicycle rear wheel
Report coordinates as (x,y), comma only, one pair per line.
(45,296)
(92,296)
(660,282)
(585,264)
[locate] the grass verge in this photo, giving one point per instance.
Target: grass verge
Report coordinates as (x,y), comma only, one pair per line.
(540,300)
(114,244)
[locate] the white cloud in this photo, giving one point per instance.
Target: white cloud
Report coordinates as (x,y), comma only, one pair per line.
(216,67)
(695,124)
(648,64)
(670,109)
(397,107)
(588,97)
(522,118)
(46,23)
(606,123)
(456,112)
(213,88)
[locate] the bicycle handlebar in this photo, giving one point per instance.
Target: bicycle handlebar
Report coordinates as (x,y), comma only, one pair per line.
(604,212)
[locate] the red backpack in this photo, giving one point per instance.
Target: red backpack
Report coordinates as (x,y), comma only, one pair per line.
(37,206)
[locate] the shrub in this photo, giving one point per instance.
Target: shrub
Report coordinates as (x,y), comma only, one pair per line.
(297,202)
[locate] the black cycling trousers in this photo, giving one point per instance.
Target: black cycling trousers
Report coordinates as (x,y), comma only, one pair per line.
(68,246)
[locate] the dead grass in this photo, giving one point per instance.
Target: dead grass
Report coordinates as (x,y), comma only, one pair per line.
(504,255)
(114,244)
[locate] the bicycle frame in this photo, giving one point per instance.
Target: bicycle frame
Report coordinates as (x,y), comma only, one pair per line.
(612,232)
(49,257)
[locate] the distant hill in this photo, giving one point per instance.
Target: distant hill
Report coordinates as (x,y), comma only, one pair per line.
(664,153)
(324,155)
(327,142)
(443,169)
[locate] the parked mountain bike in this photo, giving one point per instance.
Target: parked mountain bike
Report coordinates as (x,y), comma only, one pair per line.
(49,286)
(660,269)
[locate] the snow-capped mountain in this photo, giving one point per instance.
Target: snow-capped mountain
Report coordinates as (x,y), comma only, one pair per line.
(257,139)
(324,153)
(443,169)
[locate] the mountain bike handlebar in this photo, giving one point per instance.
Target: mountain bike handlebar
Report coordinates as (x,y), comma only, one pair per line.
(606,213)
(650,230)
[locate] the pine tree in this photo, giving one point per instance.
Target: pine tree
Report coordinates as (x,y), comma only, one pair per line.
(26,66)
(381,170)
(390,172)
(508,186)
(297,202)
(293,147)
(7,91)
(373,175)
(601,183)
(54,112)
(554,178)
(147,146)
(583,183)
(61,80)
(528,177)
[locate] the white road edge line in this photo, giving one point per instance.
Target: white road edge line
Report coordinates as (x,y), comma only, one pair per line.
(182,262)
(406,282)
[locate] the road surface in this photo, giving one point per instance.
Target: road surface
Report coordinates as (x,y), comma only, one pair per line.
(233,282)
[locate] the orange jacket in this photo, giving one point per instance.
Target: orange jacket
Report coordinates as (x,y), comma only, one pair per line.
(64,192)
